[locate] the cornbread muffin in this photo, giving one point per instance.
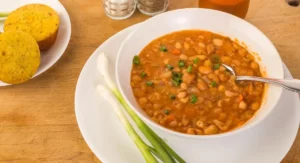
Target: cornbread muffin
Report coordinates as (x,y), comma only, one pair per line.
(38,20)
(19,57)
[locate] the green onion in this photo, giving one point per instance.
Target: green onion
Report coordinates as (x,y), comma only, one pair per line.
(108,96)
(176,78)
(196,60)
(4,14)
(177,74)
(170,67)
(143,74)
(172,97)
(216,66)
(189,69)
(149,83)
(176,83)
(213,84)
(160,147)
(163,48)
(167,112)
(194,99)
(136,60)
(181,63)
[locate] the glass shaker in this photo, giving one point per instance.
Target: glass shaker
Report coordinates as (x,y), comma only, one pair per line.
(119,9)
(152,7)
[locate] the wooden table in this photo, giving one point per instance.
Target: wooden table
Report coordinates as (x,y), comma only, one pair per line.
(37,119)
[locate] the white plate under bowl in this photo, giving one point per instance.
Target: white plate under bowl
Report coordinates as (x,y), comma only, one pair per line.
(268,142)
(51,56)
(209,20)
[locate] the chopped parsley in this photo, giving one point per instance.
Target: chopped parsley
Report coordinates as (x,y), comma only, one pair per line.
(196,60)
(176,78)
(213,84)
(170,67)
(143,74)
(149,83)
(181,63)
(136,60)
(194,99)
(166,111)
(163,48)
(189,69)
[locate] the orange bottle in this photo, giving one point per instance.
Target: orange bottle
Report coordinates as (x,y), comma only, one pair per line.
(236,7)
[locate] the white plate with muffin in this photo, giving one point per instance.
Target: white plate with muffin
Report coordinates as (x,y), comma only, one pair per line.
(47,22)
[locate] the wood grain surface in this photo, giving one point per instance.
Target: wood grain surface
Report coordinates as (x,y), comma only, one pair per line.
(37,119)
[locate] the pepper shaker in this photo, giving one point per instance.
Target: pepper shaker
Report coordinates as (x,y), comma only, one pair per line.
(152,7)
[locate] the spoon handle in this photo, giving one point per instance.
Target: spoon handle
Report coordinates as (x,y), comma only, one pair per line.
(290,84)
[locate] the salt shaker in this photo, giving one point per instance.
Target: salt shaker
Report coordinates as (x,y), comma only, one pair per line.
(119,9)
(152,7)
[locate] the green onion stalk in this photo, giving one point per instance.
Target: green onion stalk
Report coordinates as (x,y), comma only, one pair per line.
(4,14)
(159,147)
(143,147)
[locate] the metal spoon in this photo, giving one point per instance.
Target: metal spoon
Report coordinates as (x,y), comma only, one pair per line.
(289,84)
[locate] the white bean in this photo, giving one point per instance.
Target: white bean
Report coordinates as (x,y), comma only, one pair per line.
(205,70)
(174,123)
(186,46)
(200,124)
(218,42)
(212,129)
(210,48)
(201,45)
(191,131)
(181,95)
(230,94)
(183,57)
(178,45)
(183,86)
(220,125)
(242,105)
(184,100)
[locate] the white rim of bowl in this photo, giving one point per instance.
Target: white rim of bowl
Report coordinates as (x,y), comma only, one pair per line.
(226,134)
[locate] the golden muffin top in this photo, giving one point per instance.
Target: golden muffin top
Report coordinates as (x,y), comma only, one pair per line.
(19,57)
(39,20)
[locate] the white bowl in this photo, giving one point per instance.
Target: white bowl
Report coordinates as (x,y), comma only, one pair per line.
(204,19)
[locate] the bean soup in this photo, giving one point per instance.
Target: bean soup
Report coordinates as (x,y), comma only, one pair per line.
(179,81)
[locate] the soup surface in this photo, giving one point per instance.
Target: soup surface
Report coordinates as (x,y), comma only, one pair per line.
(178,80)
